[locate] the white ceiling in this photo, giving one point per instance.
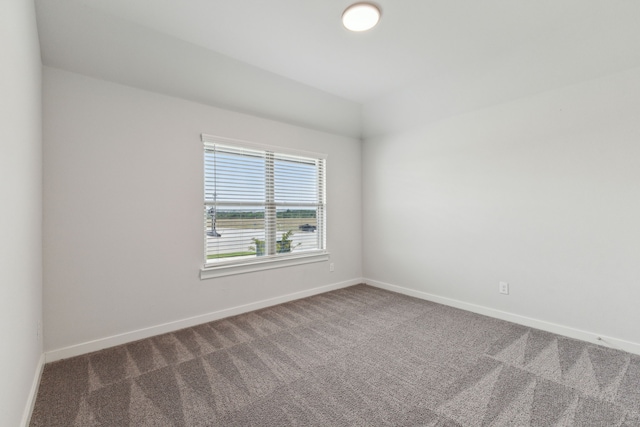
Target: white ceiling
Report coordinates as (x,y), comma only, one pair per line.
(425,42)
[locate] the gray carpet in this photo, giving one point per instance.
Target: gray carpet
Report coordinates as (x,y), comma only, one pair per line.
(359,356)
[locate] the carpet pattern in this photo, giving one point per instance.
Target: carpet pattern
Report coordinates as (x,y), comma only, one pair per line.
(358,356)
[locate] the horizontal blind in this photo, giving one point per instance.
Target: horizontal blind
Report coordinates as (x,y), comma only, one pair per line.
(233,176)
(299,203)
(261,203)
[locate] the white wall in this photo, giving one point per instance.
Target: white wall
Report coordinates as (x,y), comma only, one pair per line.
(20,208)
(123,231)
(542,192)
(137,56)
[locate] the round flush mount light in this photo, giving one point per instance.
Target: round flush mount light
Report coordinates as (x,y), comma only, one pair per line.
(360,17)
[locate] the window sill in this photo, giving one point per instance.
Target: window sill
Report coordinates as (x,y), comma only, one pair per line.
(268,263)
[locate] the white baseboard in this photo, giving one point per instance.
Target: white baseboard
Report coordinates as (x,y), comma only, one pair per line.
(567,331)
(33,393)
(102,343)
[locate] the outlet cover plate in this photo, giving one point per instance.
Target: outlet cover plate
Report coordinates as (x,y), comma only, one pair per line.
(503,288)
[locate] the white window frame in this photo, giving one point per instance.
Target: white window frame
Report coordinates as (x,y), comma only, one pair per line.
(239,266)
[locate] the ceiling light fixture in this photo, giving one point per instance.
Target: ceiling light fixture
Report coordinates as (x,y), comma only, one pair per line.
(360,17)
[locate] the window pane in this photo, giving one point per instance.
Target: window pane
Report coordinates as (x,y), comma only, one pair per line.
(236,176)
(299,225)
(237,233)
(296,180)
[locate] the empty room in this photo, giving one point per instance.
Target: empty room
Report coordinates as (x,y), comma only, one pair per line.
(320,213)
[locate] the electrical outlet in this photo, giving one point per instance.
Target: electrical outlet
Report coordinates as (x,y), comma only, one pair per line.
(331,267)
(503,288)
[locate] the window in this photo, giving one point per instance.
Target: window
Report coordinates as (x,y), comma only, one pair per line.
(264,207)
